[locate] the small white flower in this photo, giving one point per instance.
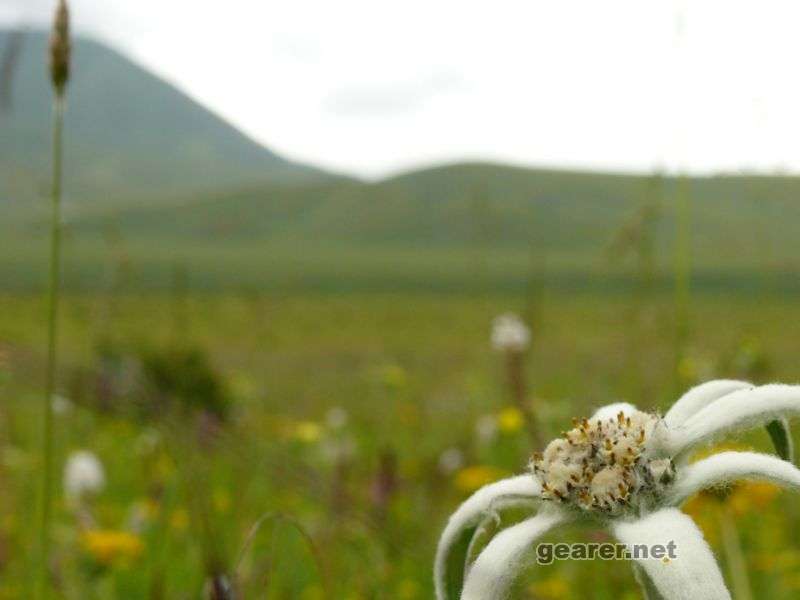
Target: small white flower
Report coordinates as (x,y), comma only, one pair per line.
(510,334)
(61,405)
(337,450)
(486,429)
(83,475)
(450,461)
(628,471)
(336,418)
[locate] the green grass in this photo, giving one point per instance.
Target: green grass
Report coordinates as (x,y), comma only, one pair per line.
(414,371)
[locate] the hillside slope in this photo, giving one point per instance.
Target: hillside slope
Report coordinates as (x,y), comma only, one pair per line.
(491,207)
(128,133)
(457,227)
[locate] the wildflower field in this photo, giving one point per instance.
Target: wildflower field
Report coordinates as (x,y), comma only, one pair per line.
(356,423)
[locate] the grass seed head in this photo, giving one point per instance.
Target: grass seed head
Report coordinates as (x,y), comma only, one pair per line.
(60,49)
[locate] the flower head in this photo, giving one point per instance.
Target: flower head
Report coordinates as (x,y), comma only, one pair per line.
(450,461)
(83,475)
(510,334)
(628,470)
(603,465)
(109,547)
(486,429)
(336,418)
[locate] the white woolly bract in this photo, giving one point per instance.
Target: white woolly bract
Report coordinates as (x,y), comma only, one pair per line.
(694,572)
(494,571)
(728,467)
(472,511)
(83,474)
(735,412)
(700,396)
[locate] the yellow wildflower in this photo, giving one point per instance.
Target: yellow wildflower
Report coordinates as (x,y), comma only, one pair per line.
(553,588)
(307,432)
(471,478)
(716,449)
(110,547)
(510,420)
(753,496)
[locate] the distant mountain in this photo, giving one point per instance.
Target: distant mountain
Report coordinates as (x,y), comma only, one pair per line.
(128,133)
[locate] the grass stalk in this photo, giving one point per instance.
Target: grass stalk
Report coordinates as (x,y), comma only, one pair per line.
(737,565)
(59,63)
(515,362)
(53,297)
(683,276)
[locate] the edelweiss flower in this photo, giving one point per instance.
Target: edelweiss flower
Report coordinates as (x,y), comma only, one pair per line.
(510,334)
(629,471)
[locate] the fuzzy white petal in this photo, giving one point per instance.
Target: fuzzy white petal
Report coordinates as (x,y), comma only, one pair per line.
(693,573)
(699,397)
(727,467)
(496,568)
(735,412)
(612,410)
(472,511)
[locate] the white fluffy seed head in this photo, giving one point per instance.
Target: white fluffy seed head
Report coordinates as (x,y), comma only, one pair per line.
(510,334)
(83,475)
(604,466)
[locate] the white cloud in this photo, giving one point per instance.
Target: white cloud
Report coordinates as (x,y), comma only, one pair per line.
(374,87)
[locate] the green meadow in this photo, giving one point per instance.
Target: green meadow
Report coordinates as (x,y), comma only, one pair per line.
(415,376)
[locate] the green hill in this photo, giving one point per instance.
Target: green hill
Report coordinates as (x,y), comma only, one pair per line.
(456,227)
(492,207)
(128,133)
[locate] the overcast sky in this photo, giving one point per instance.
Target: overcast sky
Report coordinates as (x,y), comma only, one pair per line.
(374,87)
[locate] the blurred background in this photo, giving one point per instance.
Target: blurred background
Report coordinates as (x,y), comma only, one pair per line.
(289,229)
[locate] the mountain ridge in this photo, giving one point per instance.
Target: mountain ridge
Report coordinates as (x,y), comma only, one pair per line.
(116,145)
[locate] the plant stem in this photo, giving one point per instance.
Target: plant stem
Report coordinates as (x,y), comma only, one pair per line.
(52,345)
(737,565)
(683,275)
(519,392)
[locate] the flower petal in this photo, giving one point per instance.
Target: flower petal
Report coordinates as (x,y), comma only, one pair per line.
(693,573)
(735,412)
(467,517)
(496,568)
(612,410)
(727,467)
(700,396)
